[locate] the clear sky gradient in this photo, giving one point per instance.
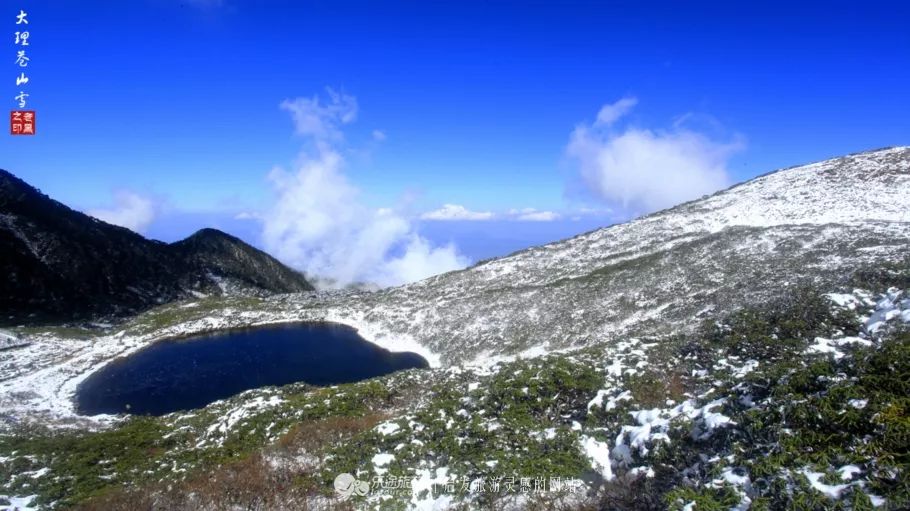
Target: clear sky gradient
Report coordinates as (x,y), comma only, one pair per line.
(179,101)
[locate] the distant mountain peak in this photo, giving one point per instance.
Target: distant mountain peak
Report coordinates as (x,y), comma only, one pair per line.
(211,232)
(63,264)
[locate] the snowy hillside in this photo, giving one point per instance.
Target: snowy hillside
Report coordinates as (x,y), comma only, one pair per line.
(588,359)
(660,274)
(657,273)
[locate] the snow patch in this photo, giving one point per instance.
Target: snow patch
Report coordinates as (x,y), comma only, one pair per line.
(599,454)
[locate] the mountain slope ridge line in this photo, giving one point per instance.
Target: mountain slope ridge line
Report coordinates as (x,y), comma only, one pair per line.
(62,264)
(846,211)
(674,208)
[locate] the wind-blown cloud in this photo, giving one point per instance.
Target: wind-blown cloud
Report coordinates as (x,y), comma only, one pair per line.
(612,112)
(456,212)
(130,210)
(646,170)
(319,223)
(322,121)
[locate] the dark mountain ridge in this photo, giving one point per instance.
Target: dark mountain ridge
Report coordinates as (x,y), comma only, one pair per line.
(61,264)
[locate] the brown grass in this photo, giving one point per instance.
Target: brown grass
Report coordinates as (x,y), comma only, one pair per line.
(653,389)
(273,479)
(313,436)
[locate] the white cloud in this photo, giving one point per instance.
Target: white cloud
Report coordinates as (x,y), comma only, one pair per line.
(421,260)
(379,135)
(532,215)
(645,170)
(130,210)
(322,121)
(613,112)
(538,216)
(318,223)
(247,215)
(456,212)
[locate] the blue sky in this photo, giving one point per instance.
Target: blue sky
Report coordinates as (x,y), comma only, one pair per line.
(490,106)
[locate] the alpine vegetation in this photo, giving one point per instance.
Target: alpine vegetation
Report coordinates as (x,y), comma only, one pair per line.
(747,350)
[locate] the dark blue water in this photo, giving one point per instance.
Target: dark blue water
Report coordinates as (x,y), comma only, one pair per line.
(190,373)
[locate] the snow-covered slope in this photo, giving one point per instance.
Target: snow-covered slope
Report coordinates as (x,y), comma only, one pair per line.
(657,273)
(661,274)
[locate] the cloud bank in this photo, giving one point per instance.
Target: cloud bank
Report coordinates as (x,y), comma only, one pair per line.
(319,224)
(646,170)
(456,212)
(130,210)
(537,216)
